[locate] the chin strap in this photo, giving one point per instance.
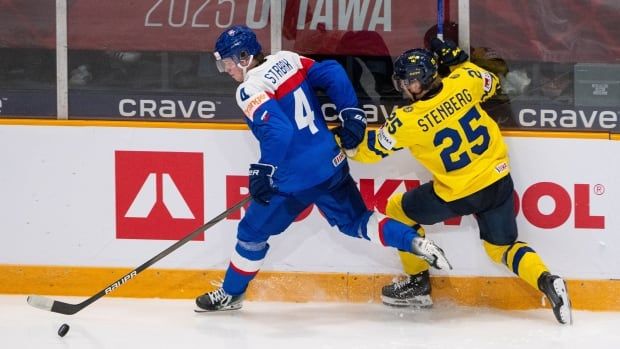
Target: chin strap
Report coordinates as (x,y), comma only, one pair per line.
(244,68)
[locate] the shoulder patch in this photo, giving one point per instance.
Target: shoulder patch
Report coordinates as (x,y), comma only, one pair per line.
(251,103)
(487,81)
(385,139)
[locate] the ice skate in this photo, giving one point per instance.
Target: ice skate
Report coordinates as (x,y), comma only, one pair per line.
(430,252)
(413,291)
(555,289)
(218,300)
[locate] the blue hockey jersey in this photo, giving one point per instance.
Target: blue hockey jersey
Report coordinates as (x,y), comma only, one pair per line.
(284,114)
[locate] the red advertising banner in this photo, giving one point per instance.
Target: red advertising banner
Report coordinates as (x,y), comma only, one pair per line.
(360,27)
(27,24)
(554,31)
(161,25)
(365,28)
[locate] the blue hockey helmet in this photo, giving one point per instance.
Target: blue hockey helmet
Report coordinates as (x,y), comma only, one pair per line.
(237,43)
(415,65)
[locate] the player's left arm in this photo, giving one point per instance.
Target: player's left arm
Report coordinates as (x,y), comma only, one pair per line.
(454,57)
(268,123)
(484,83)
(331,77)
(448,53)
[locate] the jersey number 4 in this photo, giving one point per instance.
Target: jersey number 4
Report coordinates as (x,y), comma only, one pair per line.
(454,160)
(304,115)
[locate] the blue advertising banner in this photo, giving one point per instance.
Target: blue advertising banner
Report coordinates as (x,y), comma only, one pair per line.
(30,103)
(89,104)
(84,104)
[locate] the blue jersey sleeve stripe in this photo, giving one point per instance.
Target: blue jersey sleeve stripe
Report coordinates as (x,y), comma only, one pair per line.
(371,144)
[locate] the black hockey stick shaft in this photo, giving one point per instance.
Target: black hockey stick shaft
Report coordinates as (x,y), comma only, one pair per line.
(55,306)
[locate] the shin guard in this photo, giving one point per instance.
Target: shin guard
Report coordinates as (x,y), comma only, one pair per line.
(412,264)
(388,232)
(245,263)
(520,258)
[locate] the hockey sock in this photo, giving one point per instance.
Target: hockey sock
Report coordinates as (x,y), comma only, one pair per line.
(388,232)
(244,264)
(520,258)
(412,264)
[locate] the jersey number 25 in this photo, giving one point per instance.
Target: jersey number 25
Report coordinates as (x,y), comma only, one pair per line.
(449,154)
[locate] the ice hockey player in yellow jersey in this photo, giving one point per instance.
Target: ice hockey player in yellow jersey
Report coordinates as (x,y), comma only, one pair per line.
(449,133)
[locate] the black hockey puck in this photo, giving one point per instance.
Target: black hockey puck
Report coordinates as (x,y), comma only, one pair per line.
(62,331)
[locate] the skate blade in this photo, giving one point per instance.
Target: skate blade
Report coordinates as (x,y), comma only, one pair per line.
(200,310)
(566,313)
(420,302)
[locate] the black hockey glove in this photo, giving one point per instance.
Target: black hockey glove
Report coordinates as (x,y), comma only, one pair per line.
(262,188)
(353,128)
(448,52)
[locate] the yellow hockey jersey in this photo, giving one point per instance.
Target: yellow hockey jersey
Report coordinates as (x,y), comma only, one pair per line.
(449,134)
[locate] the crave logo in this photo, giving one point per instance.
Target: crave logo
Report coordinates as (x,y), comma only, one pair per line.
(159,195)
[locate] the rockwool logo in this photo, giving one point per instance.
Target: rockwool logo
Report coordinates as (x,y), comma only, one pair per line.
(159,195)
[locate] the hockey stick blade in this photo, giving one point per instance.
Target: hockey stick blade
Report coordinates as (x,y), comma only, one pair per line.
(48,304)
(41,302)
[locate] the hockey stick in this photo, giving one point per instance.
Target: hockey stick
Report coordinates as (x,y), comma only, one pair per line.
(55,306)
(440,13)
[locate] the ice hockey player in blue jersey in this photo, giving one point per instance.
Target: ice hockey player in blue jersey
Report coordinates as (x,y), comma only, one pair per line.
(300,161)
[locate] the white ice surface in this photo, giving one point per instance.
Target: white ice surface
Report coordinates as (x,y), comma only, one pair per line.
(155,323)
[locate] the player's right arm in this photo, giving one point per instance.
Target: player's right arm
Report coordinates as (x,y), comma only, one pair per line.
(267,120)
(382,142)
